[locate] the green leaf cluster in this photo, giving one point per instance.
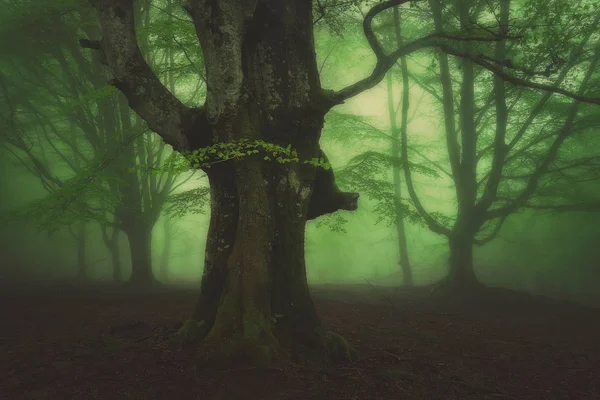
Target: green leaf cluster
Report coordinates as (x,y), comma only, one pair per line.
(191,201)
(237,149)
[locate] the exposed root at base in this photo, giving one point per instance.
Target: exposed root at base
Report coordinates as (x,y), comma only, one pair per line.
(338,348)
(318,348)
(240,351)
(191,331)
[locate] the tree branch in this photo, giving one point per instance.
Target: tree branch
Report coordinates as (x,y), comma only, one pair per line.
(435,40)
(543,166)
(492,234)
(326,197)
(146,95)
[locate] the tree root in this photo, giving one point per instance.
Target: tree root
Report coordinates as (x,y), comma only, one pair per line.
(318,348)
(191,331)
(337,348)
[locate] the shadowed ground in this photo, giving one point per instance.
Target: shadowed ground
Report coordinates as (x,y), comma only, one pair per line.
(61,342)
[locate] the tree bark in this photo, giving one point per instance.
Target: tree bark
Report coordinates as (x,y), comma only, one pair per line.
(262,84)
(407,278)
(461,273)
(254,292)
(140,248)
(254,301)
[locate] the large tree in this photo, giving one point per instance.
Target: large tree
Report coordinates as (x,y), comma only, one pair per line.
(520,134)
(262,83)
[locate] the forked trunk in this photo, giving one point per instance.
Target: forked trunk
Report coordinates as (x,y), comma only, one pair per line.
(263,84)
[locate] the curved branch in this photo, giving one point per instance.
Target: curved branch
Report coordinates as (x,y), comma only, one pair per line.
(146,95)
(492,234)
(499,71)
(326,197)
(434,40)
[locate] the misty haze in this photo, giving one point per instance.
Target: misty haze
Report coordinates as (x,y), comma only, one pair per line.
(296,199)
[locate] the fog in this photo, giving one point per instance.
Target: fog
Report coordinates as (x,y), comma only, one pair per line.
(296,199)
(550,252)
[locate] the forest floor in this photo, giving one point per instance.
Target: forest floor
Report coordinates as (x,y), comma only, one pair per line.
(60,342)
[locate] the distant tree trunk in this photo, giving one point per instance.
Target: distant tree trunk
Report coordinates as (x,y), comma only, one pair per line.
(80,239)
(407,276)
(407,279)
(112,244)
(140,249)
(115,257)
(164,260)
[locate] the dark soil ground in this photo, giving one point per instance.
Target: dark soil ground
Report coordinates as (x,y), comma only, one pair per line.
(64,343)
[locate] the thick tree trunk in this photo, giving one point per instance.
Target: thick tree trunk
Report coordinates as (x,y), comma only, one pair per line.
(461,272)
(254,289)
(140,249)
(221,237)
(254,293)
(262,84)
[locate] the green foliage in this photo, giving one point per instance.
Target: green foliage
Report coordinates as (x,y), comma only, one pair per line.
(84,196)
(205,157)
(194,201)
(91,97)
(223,151)
(191,201)
(335,222)
(551,30)
(369,174)
(87,193)
(73,202)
